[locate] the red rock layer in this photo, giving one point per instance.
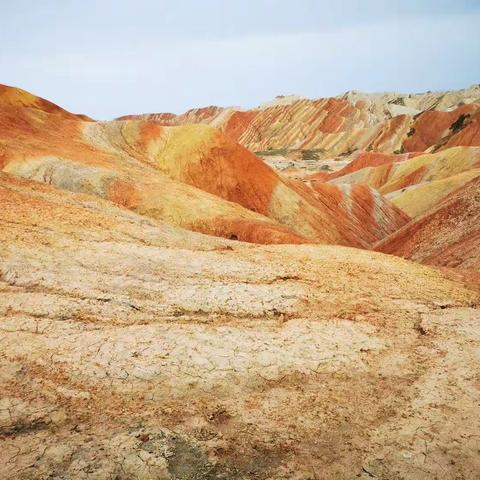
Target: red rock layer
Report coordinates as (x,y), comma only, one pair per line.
(371,213)
(431,126)
(196,177)
(449,235)
(238,123)
(337,126)
(17,98)
(370,159)
(468,134)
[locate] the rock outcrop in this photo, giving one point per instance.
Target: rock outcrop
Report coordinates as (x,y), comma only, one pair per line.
(447,235)
(387,123)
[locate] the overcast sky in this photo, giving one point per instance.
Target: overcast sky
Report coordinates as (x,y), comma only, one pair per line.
(108,58)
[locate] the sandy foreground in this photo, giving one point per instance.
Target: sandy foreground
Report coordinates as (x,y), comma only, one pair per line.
(132,350)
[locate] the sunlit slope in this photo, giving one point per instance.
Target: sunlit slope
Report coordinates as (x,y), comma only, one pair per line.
(135,349)
(204,157)
(192,176)
(466,133)
(367,160)
(18,98)
(355,121)
(51,149)
(418,184)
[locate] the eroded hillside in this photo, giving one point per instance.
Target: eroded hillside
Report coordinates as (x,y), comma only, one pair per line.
(191,176)
(388,123)
(143,338)
(134,350)
(448,235)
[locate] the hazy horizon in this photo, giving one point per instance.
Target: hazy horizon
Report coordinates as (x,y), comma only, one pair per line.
(119,57)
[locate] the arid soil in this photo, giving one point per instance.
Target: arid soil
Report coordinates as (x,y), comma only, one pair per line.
(172,308)
(132,350)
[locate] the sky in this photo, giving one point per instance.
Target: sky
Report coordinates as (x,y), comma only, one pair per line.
(107,58)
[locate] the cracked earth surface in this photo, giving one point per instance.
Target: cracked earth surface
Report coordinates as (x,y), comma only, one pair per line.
(133,350)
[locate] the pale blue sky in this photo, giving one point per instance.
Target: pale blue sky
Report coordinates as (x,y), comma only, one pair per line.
(107,58)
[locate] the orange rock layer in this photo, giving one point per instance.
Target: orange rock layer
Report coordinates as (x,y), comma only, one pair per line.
(449,235)
(336,126)
(192,176)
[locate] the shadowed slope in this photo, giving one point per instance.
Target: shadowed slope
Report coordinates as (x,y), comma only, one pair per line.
(448,235)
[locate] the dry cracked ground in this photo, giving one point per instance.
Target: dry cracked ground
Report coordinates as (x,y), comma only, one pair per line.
(132,350)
